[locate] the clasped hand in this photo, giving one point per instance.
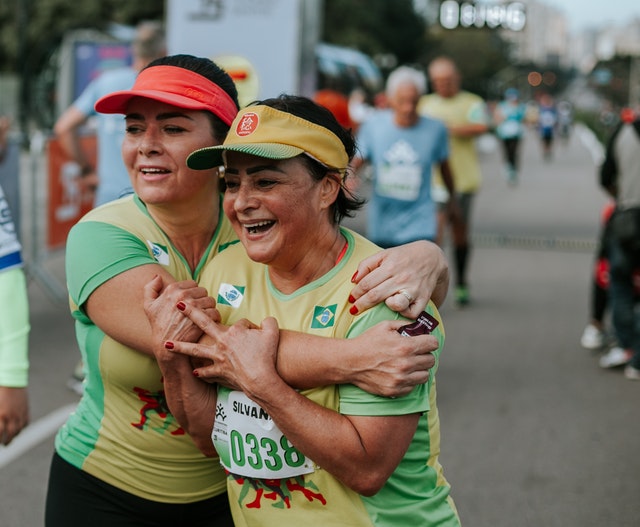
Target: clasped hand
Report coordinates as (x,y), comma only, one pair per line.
(186,326)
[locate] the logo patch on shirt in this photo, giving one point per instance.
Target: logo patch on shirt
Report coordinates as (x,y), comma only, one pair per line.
(160,252)
(230,295)
(323,316)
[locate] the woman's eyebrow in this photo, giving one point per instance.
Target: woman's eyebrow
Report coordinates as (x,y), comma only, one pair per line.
(252,170)
(173,115)
(160,117)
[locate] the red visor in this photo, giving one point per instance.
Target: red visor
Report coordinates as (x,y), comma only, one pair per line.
(176,86)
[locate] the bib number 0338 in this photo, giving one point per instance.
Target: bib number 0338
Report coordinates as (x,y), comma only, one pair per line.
(249,442)
(264,453)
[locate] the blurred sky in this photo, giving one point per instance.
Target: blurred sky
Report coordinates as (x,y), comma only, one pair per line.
(588,13)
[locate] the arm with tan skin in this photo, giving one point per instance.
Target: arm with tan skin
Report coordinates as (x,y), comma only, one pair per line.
(380,355)
(471,127)
(5,125)
(191,401)
(378,361)
(364,450)
(66,130)
(14,412)
(453,210)
(391,367)
(419,267)
(116,307)
(468,130)
(14,326)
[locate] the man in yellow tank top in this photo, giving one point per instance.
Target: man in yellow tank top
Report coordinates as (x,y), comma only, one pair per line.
(466,117)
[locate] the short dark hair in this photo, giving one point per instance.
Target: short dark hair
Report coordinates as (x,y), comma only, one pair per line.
(346,203)
(210,71)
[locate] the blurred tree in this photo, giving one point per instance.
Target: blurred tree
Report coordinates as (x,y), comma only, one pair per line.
(48,20)
(382,28)
(479,54)
(378,28)
(610,78)
(32,30)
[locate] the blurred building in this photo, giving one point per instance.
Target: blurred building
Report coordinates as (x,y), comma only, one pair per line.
(546,38)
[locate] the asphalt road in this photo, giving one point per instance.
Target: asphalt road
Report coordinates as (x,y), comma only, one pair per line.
(534,433)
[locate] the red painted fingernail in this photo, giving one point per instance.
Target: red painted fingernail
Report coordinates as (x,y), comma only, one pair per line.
(351,299)
(195,373)
(168,345)
(353,310)
(353,278)
(181,306)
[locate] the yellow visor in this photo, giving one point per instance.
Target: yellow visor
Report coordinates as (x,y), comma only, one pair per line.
(263,131)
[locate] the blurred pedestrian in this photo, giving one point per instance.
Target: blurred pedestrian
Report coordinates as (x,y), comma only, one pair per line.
(595,334)
(620,176)
(359,107)
(547,122)
(402,148)
(565,120)
(466,118)
(337,103)
(508,117)
(14,321)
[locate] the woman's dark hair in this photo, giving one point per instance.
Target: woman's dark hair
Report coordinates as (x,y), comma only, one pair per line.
(346,203)
(210,71)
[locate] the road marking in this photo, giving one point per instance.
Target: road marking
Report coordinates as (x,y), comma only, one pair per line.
(34,434)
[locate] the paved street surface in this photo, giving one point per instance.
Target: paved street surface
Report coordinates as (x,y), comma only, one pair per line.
(534,433)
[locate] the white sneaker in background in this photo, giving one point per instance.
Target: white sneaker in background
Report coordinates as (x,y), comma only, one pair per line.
(631,373)
(592,338)
(615,357)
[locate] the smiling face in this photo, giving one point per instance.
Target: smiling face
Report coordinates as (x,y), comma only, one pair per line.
(158,139)
(279,212)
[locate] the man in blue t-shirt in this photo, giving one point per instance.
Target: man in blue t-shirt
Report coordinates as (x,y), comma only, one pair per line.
(402,147)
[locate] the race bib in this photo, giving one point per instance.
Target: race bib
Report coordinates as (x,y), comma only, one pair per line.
(399,182)
(250,444)
(510,128)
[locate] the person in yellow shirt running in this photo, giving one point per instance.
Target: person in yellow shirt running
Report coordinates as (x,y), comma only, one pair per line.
(466,117)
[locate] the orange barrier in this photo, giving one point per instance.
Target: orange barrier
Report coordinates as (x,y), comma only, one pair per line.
(66,202)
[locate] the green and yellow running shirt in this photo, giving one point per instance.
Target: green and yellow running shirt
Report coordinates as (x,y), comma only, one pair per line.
(122,431)
(272,484)
(461,109)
